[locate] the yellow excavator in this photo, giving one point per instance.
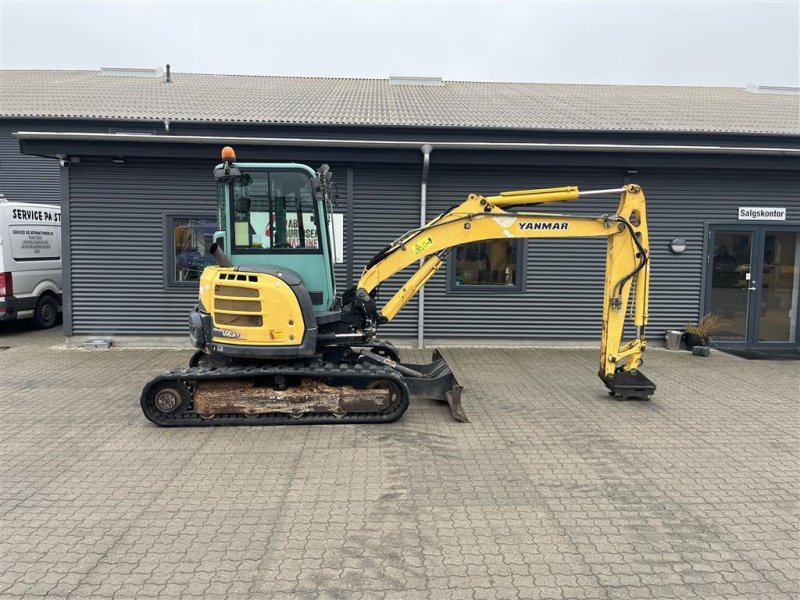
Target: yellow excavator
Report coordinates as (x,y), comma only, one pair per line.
(278,345)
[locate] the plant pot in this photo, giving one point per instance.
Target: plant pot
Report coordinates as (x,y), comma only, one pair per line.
(692,340)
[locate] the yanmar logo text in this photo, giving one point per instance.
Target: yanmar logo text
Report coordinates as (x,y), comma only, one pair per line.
(533,225)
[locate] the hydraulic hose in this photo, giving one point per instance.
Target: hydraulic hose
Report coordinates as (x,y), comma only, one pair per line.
(642,260)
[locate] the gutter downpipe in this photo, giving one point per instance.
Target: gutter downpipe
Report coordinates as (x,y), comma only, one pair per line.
(423,210)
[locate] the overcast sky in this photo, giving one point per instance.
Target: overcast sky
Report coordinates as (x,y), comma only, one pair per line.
(685,43)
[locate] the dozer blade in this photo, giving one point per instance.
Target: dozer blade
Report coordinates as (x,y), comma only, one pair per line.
(433,381)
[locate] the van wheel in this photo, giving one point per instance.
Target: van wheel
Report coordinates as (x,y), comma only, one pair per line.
(46,313)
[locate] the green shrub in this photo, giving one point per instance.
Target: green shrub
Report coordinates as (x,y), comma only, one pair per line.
(707,325)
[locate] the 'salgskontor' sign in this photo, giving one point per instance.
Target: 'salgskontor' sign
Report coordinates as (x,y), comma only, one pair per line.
(751,213)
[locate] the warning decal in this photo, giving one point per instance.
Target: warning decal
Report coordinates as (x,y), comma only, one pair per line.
(422,245)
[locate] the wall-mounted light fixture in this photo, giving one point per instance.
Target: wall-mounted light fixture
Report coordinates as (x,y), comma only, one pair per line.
(678,245)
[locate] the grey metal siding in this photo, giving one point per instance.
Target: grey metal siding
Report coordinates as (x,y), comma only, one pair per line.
(25,178)
(117,234)
(386,202)
(116,237)
(116,242)
(340,179)
(564,278)
(683,204)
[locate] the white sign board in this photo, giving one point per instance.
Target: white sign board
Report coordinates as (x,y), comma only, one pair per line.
(758,213)
(338,236)
(34,242)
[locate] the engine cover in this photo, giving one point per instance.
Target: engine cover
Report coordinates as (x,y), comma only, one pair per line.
(256,309)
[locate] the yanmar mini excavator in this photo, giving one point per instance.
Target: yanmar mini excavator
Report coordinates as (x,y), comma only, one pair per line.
(277,345)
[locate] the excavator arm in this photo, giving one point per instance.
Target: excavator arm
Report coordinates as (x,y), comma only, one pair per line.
(481,218)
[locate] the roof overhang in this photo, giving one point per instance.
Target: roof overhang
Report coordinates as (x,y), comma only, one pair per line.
(67,136)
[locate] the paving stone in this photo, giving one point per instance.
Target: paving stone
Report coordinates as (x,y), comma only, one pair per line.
(554,490)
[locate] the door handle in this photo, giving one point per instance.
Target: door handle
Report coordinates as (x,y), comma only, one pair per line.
(752,286)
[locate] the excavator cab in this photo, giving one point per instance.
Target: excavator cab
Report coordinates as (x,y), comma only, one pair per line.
(276,214)
(273,285)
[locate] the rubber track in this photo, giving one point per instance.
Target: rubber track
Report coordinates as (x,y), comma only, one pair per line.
(366,372)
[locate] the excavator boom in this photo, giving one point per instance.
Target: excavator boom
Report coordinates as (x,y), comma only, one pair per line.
(482,218)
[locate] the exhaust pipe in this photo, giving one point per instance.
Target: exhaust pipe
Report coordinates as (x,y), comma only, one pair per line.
(219,256)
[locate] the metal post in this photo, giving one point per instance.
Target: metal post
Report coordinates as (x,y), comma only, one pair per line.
(66,249)
(423,209)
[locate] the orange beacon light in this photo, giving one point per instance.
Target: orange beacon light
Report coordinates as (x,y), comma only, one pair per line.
(228,155)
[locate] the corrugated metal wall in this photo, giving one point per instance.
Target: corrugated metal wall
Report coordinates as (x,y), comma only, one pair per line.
(564,278)
(26,178)
(680,204)
(386,205)
(117,238)
(340,179)
(117,242)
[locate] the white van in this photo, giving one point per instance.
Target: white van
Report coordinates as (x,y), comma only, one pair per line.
(30,262)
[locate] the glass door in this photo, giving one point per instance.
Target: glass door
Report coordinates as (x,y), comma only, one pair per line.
(731,283)
(754,284)
(779,279)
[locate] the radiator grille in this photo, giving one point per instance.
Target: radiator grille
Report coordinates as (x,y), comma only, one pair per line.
(237,305)
(235,291)
(238,320)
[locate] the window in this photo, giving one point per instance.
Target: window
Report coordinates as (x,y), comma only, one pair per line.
(189,239)
(493,264)
(273,211)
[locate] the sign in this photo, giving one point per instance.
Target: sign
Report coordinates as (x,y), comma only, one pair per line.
(310,238)
(263,234)
(34,242)
(35,215)
(336,226)
(749,213)
(259,221)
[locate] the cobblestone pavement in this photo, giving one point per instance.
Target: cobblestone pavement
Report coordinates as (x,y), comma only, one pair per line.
(553,491)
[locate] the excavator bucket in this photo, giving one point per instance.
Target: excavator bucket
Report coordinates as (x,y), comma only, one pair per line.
(433,381)
(626,385)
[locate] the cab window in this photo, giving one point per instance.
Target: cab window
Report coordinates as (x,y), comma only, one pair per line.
(273,211)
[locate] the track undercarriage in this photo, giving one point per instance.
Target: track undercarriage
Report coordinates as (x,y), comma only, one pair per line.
(356,387)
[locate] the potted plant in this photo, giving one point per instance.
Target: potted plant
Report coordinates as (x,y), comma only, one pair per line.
(699,334)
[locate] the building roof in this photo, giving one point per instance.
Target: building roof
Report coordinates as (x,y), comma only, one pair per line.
(405,103)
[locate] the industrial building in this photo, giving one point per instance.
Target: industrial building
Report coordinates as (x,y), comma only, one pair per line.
(128,153)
